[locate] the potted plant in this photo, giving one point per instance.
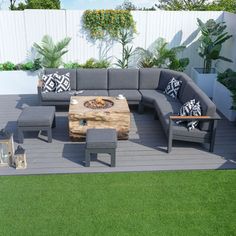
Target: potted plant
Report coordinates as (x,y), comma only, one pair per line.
(225,86)
(211,40)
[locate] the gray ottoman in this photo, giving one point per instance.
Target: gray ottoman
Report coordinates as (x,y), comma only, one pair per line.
(101,141)
(38,118)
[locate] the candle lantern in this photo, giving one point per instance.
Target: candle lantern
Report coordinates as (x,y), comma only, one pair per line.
(20,158)
(6,148)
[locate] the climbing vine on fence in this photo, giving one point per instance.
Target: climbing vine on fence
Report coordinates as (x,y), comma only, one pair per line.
(99,23)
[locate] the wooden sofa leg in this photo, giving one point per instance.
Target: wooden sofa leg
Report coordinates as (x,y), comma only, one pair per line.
(213,135)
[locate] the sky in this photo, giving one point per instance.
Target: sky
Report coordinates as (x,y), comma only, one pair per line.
(102,4)
(93,4)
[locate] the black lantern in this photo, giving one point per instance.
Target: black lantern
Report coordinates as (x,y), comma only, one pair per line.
(6,148)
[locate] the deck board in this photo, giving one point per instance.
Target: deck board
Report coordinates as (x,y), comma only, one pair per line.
(144,151)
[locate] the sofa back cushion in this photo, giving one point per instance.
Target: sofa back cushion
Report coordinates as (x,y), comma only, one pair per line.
(208,108)
(123,78)
(149,78)
(62,72)
(92,79)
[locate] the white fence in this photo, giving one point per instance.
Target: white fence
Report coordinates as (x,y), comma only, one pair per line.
(20,29)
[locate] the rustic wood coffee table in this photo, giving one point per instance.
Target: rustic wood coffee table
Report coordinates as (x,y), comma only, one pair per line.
(81,117)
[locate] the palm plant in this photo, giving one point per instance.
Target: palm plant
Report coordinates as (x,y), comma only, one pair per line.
(161,56)
(213,36)
(51,53)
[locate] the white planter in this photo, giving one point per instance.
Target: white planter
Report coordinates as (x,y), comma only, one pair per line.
(205,82)
(222,97)
(18,82)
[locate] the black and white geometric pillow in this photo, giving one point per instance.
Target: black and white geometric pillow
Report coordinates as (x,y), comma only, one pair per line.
(62,83)
(185,110)
(173,87)
(195,111)
(49,83)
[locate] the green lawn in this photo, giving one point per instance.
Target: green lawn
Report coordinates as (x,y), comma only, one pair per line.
(154,203)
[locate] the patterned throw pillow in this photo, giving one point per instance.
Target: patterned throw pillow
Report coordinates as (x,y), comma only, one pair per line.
(195,111)
(173,87)
(49,84)
(62,83)
(185,110)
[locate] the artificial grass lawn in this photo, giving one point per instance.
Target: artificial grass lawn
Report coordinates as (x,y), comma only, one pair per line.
(153,203)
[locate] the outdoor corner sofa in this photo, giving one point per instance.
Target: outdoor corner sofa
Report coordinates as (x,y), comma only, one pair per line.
(143,87)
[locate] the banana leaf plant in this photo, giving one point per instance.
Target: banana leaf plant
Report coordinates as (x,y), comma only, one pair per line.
(211,40)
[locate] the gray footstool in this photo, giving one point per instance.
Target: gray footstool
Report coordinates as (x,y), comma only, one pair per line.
(101,141)
(38,118)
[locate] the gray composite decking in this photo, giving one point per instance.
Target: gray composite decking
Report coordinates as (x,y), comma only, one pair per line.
(144,151)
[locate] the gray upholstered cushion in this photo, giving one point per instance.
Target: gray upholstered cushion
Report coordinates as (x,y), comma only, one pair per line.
(52,96)
(91,79)
(165,107)
(185,79)
(123,78)
(36,116)
(101,138)
(130,95)
(165,76)
(62,72)
(208,108)
(94,93)
(149,78)
(151,95)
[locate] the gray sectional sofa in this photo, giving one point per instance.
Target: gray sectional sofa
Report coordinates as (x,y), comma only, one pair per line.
(143,87)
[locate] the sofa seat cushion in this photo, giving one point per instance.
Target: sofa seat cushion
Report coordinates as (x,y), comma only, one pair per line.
(94,93)
(151,95)
(165,109)
(130,95)
(63,96)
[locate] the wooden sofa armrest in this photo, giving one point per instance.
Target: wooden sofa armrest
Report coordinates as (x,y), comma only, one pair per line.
(206,118)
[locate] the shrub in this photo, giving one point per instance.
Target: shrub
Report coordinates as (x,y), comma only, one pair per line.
(72,65)
(228,79)
(7,66)
(92,63)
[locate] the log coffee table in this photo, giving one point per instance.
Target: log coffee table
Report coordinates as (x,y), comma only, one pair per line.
(110,112)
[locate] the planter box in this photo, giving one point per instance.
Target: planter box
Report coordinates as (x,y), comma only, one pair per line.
(223,100)
(205,82)
(18,82)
